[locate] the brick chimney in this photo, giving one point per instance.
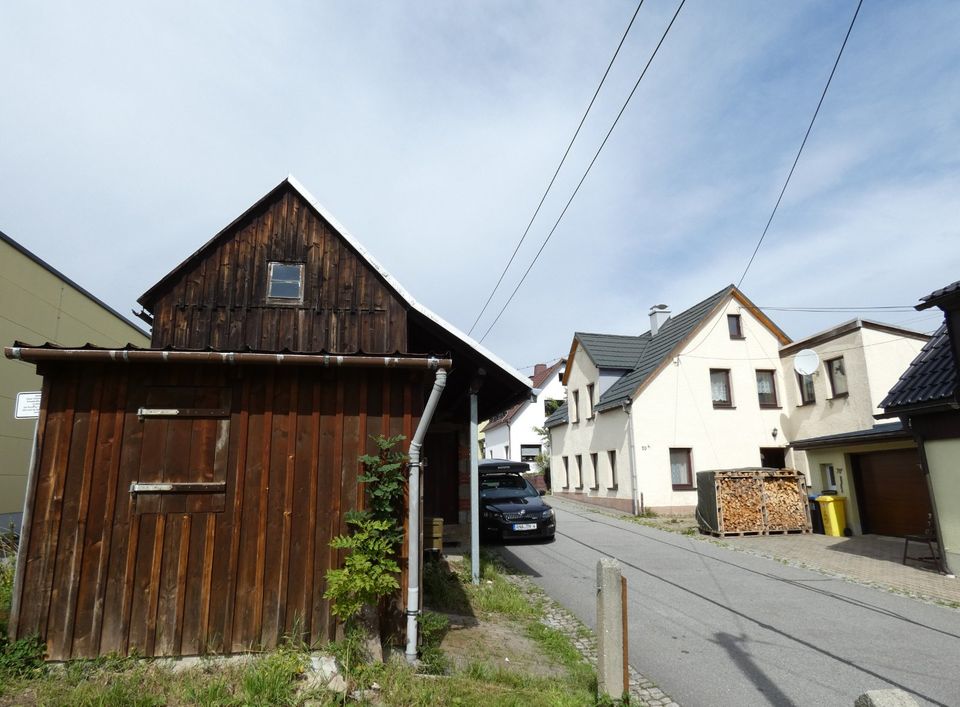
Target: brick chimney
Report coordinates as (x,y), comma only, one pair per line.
(539,369)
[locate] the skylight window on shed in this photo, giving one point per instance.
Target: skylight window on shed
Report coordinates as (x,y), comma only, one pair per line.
(285,281)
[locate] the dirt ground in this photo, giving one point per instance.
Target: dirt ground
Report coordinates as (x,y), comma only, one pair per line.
(495,641)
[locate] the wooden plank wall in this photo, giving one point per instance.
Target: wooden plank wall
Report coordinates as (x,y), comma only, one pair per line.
(219,298)
(101,577)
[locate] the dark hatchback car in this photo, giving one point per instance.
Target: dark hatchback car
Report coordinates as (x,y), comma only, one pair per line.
(511,508)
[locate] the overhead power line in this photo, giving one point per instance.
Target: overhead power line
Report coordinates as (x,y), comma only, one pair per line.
(802,144)
(894,308)
(584,177)
(557,171)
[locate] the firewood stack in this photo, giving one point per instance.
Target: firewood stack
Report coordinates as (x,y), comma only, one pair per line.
(786,509)
(752,502)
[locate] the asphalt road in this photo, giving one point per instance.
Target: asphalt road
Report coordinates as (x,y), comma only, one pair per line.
(718,627)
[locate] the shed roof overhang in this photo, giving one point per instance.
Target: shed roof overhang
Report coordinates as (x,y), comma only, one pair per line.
(132,354)
(885,432)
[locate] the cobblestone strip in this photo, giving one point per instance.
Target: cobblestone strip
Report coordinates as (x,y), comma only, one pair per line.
(643,692)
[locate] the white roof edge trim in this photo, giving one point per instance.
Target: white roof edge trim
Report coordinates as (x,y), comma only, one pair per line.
(408,298)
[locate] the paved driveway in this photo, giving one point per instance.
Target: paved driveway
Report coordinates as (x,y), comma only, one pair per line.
(714,626)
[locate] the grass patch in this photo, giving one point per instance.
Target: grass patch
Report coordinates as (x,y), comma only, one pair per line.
(496,594)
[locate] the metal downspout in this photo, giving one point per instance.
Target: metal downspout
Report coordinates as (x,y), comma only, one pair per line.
(475,493)
(627,408)
(413,516)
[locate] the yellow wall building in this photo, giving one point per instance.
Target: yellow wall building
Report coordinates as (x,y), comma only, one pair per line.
(38,304)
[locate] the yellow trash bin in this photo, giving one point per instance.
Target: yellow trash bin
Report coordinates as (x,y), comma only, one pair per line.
(833,510)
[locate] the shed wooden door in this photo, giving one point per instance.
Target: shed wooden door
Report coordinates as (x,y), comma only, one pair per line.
(892,492)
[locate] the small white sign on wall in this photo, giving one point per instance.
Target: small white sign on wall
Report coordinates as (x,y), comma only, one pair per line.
(28,406)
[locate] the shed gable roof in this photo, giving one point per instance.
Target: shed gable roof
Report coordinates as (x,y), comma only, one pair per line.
(429,317)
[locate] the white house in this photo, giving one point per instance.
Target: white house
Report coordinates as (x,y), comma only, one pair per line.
(701,390)
(512,434)
(836,439)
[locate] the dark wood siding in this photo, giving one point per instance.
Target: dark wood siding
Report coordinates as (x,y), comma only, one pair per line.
(218,298)
(109,571)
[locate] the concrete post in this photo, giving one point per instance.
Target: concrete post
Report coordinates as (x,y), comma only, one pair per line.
(611,667)
(885,698)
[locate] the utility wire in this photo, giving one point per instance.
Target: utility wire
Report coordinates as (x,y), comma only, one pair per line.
(797,158)
(896,308)
(557,171)
(584,177)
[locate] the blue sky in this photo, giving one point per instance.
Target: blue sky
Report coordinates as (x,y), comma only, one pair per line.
(132,132)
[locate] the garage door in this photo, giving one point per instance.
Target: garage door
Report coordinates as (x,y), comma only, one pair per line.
(892,492)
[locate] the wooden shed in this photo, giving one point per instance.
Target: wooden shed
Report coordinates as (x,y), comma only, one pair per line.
(183,497)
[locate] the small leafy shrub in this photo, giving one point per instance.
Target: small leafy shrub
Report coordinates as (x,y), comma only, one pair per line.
(370,569)
(22,658)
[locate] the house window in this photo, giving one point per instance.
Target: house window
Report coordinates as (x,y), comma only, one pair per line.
(612,457)
(735,326)
(551,406)
(838,376)
(285,281)
(566,472)
(596,471)
(578,461)
(529,452)
(575,407)
(828,477)
(807,396)
(590,400)
(767,389)
(681,469)
(720,388)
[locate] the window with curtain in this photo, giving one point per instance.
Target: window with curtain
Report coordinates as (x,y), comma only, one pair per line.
(681,470)
(767,389)
(720,387)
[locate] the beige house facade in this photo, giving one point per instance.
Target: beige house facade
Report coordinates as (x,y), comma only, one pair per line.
(40,304)
(700,391)
(836,438)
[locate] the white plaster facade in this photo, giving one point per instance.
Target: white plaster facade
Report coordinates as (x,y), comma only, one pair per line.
(509,439)
(673,409)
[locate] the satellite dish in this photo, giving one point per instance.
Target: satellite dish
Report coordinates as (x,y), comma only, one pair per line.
(806,362)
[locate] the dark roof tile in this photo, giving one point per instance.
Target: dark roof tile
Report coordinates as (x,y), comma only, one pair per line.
(558,417)
(931,377)
(658,348)
(937,296)
(613,350)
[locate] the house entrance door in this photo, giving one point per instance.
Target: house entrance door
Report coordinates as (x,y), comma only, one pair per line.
(773,457)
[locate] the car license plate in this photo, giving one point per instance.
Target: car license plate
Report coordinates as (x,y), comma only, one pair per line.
(524,526)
